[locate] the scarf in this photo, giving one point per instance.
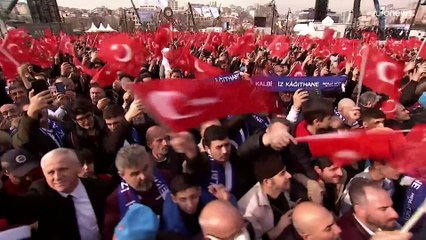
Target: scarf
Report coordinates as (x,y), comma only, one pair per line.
(414,197)
(127,196)
(55,132)
(337,113)
(263,121)
(220,173)
(242,135)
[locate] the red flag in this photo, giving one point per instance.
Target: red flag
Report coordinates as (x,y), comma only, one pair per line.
(422,50)
(162,37)
(389,108)
(105,76)
(279,47)
(184,104)
(328,34)
(66,46)
(243,45)
(214,38)
(89,71)
(297,70)
(409,155)
(266,40)
(342,148)
(382,74)
(182,58)
(121,52)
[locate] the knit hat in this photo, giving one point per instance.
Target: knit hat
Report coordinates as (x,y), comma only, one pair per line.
(268,165)
(139,223)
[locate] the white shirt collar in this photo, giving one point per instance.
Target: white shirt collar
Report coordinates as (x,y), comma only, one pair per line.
(371,233)
(78,192)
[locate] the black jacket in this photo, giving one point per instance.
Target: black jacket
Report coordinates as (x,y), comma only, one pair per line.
(56,216)
(295,157)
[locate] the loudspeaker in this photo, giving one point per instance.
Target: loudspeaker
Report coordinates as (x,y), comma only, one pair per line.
(321,7)
(260,21)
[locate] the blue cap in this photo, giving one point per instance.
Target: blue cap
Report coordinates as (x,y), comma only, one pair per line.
(422,100)
(139,223)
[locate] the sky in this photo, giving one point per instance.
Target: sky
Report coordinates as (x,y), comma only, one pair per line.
(282,5)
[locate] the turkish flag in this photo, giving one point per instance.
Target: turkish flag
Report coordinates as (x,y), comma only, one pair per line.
(279,47)
(89,71)
(328,34)
(382,73)
(66,46)
(182,104)
(266,40)
(122,52)
(105,76)
(409,155)
(14,51)
(163,36)
(214,39)
(182,58)
(342,148)
(297,70)
(389,108)
(244,44)
(422,50)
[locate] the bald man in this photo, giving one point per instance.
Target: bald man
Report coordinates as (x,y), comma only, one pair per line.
(220,220)
(349,112)
(64,206)
(314,222)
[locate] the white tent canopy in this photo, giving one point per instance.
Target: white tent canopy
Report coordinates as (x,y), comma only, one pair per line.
(102,28)
(92,28)
(110,29)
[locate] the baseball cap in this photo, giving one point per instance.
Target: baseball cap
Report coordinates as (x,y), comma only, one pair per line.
(18,162)
(139,223)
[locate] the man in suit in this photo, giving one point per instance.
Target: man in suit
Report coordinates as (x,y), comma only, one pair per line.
(65,206)
(371,212)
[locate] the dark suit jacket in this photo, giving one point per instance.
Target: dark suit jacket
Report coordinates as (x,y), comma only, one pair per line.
(351,229)
(55,214)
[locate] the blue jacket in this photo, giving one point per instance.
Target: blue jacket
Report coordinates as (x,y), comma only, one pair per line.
(171,220)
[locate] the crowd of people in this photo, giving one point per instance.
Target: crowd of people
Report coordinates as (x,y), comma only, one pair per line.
(389,32)
(83,161)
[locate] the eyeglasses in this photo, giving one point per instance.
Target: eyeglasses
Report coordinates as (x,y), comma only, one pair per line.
(85,117)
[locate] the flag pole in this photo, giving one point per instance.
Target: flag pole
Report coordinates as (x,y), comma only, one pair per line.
(414,17)
(420,49)
(361,75)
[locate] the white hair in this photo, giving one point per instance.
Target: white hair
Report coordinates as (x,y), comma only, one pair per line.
(72,156)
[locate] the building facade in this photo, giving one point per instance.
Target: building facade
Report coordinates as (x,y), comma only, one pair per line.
(44,11)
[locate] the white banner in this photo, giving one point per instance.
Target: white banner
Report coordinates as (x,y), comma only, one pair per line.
(206,12)
(215,12)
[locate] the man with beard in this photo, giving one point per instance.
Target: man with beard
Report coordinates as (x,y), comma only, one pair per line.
(401,120)
(381,173)
(314,222)
(372,211)
(140,183)
(334,178)
(265,205)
